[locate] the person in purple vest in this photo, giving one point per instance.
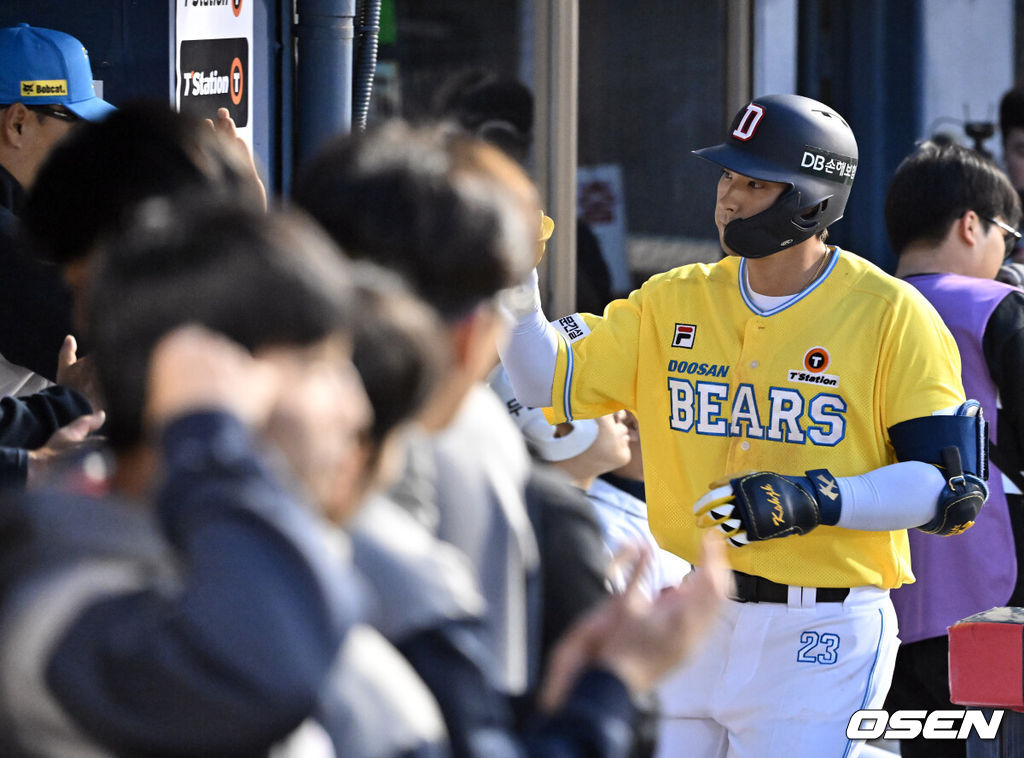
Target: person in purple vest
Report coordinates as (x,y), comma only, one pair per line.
(951,216)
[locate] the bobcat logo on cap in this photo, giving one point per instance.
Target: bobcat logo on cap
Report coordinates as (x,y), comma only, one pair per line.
(44,88)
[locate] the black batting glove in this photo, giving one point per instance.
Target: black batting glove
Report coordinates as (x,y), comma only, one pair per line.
(764,505)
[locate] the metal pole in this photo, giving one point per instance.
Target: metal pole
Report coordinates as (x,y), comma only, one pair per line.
(323,72)
(556,72)
(739,63)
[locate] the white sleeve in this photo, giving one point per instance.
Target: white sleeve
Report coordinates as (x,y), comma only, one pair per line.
(531,351)
(900,496)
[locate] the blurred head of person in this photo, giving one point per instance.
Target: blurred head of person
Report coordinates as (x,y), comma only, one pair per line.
(452,215)
(273,284)
(94,179)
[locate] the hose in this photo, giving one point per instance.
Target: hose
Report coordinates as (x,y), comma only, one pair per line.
(367,33)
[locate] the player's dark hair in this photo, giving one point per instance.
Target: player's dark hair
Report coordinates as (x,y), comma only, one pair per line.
(939,182)
(496,108)
(260,279)
(397,348)
(95,176)
(1011,111)
(443,209)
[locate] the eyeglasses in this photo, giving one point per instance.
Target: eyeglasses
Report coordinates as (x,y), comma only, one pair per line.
(47,110)
(1010,235)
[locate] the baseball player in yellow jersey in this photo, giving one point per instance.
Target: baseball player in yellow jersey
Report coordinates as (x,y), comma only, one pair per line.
(834,386)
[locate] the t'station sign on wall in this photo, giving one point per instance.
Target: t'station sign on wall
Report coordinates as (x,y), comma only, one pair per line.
(214,59)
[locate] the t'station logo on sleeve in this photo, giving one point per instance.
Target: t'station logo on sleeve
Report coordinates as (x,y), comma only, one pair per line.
(214,74)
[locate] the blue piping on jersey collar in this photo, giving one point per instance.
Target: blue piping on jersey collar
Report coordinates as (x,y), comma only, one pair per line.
(745,292)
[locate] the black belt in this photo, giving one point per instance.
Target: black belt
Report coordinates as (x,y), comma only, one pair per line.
(757,589)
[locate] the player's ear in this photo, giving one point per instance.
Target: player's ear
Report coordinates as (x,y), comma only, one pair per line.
(12,120)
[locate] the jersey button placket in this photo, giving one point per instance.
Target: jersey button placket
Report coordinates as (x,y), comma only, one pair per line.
(748,367)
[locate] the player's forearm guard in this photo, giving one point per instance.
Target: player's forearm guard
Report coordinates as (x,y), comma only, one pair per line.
(925,438)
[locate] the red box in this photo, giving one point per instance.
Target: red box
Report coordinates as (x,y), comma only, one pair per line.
(986,659)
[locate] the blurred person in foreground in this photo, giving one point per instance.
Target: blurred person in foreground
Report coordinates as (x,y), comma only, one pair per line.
(459,221)
(192,603)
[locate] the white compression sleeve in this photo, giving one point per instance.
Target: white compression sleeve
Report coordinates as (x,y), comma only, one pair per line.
(901,496)
(530,354)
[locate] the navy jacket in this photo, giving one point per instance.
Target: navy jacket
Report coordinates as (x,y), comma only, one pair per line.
(204,626)
(27,423)
(35,304)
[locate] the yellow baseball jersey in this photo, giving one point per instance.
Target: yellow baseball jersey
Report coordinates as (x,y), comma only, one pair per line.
(721,387)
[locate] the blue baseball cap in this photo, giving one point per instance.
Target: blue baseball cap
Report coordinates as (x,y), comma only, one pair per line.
(45,67)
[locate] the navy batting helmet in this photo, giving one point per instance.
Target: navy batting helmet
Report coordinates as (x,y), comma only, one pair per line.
(796,141)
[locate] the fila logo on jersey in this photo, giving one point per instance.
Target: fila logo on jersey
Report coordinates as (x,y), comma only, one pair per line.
(684,335)
(816,360)
(748,122)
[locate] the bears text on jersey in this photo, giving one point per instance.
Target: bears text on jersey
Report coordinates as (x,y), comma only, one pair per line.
(715,409)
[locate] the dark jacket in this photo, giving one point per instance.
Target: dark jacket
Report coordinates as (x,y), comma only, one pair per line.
(26,423)
(35,305)
(203,624)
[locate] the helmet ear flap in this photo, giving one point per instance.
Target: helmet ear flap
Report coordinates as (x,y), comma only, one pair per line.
(777,228)
(811,217)
(770,231)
